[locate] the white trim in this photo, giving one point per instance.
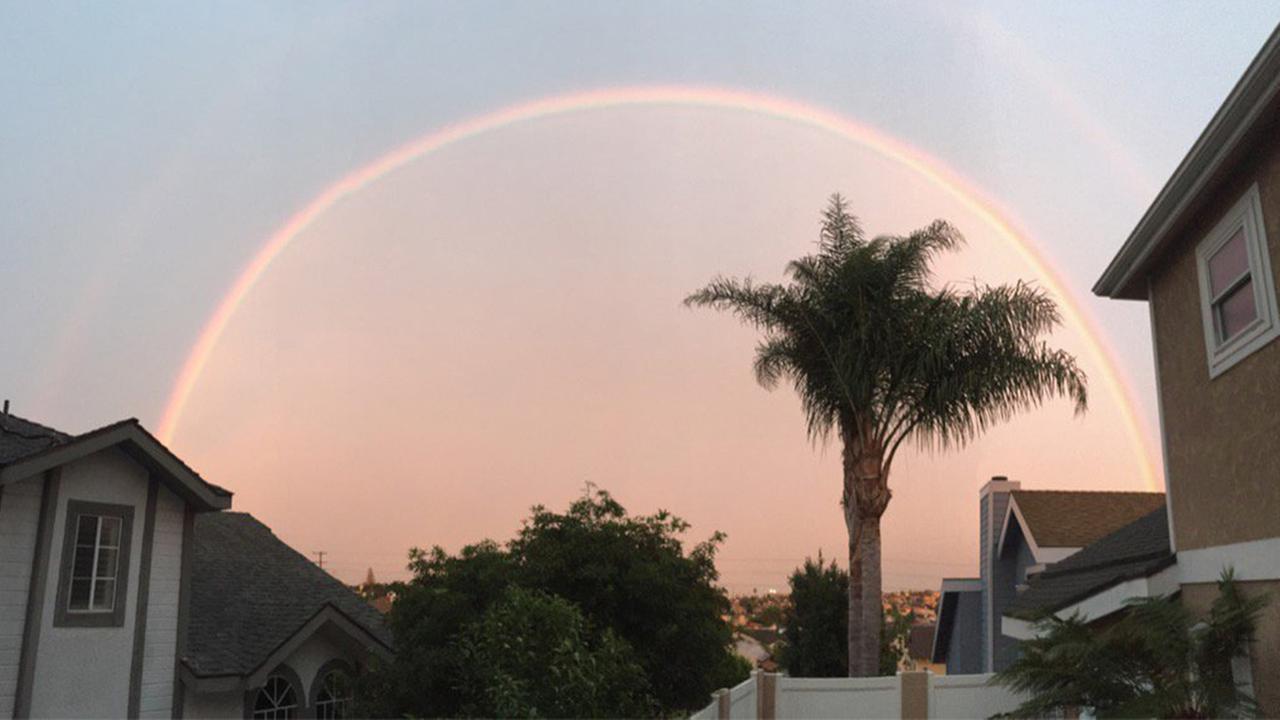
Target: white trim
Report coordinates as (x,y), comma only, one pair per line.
(1164,445)
(1107,601)
(1246,216)
(1017,628)
(1051,555)
(1251,561)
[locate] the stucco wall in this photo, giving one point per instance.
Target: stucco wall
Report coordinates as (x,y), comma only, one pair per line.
(84,671)
(19,519)
(1220,434)
(160,649)
(1265,652)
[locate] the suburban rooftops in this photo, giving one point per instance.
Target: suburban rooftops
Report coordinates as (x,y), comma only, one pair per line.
(1136,550)
(251,594)
(1075,518)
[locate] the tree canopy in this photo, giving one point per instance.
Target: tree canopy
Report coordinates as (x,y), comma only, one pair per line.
(592,593)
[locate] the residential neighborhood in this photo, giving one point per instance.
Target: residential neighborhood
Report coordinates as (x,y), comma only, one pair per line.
(721,361)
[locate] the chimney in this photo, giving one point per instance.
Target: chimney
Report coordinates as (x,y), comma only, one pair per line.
(993,503)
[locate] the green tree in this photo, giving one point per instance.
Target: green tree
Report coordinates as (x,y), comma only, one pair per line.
(628,576)
(817,622)
(1158,661)
(878,355)
(631,574)
(447,594)
(533,655)
(816,625)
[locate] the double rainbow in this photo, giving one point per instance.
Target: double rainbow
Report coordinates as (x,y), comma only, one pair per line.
(926,166)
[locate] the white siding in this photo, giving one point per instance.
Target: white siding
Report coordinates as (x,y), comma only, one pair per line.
(19,519)
(62,686)
(211,706)
(160,649)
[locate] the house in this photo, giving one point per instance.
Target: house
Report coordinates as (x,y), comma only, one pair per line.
(1021,532)
(1202,257)
(129,589)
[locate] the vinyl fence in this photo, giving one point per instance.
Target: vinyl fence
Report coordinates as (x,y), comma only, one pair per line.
(916,695)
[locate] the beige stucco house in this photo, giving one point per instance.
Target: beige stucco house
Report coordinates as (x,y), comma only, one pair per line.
(128,589)
(1203,257)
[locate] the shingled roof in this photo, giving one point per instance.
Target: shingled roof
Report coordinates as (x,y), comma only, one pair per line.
(20,437)
(1072,518)
(1136,550)
(250,593)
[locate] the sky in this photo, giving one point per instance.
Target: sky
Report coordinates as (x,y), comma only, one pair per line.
(497,323)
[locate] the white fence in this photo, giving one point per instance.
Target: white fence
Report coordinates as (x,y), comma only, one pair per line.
(766,696)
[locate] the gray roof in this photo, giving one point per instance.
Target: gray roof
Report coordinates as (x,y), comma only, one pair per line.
(1136,550)
(250,593)
(20,437)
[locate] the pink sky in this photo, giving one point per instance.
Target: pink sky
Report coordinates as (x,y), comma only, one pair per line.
(500,323)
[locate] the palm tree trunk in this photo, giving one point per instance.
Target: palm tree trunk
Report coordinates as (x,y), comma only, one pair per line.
(854,636)
(871,622)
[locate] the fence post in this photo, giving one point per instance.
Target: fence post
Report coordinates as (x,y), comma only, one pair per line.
(722,703)
(766,695)
(915,695)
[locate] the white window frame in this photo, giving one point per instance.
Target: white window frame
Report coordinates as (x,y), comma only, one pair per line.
(1246,214)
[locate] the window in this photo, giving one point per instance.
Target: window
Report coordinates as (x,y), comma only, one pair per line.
(334,696)
(94,573)
(277,699)
(1237,294)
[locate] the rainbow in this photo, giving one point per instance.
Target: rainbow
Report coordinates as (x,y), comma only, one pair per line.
(935,171)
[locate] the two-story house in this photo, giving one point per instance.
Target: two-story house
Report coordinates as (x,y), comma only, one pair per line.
(1021,532)
(128,589)
(1202,257)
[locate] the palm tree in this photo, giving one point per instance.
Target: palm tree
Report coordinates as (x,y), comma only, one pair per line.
(1157,661)
(877,355)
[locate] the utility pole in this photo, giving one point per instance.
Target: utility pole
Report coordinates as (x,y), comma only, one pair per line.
(320,557)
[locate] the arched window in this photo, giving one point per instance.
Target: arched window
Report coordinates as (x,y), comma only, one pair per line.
(276,700)
(333,700)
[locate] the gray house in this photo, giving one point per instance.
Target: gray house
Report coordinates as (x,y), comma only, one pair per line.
(1021,533)
(128,589)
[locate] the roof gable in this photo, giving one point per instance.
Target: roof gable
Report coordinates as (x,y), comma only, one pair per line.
(1137,549)
(252,596)
(1074,518)
(32,449)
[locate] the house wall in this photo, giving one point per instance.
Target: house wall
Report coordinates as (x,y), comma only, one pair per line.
(161,640)
(1219,434)
(993,503)
(229,704)
(84,671)
(1265,652)
(1009,571)
(964,650)
(19,519)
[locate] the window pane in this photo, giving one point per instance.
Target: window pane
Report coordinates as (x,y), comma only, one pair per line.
(1229,263)
(110,534)
(79,594)
(107,559)
(1236,311)
(104,594)
(82,562)
(87,530)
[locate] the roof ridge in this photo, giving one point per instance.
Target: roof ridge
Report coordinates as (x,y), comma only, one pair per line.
(42,426)
(1090,492)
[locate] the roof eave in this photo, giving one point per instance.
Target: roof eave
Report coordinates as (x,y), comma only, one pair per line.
(1248,102)
(142,446)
